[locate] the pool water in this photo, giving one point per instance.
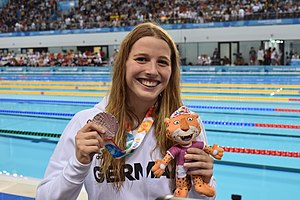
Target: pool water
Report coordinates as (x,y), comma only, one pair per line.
(234,119)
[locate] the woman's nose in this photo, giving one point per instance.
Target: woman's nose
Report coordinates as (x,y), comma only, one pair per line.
(152,68)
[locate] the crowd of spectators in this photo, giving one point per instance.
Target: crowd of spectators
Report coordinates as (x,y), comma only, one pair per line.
(268,56)
(260,56)
(37,15)
(64,58)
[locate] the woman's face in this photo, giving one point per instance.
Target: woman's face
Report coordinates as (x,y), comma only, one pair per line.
(148,69)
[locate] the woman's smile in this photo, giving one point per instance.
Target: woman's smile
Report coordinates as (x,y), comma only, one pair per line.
(148,83)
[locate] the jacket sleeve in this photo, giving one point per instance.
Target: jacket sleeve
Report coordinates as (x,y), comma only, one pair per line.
(212,182)
(64,175)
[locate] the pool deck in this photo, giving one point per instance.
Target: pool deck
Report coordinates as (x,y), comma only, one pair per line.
(25,187)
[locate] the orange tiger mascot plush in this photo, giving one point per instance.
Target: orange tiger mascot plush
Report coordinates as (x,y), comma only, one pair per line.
(183,127)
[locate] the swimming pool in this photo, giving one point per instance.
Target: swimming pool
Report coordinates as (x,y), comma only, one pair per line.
(255,117)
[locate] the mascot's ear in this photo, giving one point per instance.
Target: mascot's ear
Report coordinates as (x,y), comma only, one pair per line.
(195,115)
(167,121)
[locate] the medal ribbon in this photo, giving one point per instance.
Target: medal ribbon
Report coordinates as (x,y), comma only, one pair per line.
(134,138)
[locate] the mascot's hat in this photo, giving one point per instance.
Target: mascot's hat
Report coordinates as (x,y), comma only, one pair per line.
(180,111)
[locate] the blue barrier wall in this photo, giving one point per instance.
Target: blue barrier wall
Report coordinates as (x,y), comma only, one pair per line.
(184,69)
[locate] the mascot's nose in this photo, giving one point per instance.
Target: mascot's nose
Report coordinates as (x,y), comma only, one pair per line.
(184,124)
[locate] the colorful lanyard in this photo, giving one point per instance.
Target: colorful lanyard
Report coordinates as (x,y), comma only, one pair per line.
(134,138)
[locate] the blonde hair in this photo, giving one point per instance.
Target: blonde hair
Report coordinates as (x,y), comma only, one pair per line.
(168,101)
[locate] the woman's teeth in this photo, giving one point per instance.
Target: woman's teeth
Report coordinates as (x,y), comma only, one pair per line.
(149,83)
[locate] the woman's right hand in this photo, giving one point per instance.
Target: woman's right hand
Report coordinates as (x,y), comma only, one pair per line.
(88,142)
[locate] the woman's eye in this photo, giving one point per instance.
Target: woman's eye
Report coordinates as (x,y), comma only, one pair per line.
(164,63)
(140,59)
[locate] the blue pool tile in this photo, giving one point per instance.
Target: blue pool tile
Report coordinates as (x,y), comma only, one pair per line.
(4,196)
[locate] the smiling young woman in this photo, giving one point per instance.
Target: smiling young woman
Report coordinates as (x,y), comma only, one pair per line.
(145,89)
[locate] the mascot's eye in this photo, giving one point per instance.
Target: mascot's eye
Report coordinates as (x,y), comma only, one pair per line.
(190,119)
(176,122)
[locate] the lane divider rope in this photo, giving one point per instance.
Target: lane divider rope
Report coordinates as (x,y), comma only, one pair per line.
(289,126)
(48,101)
(210,122)
(31,133)
(262,152)
(202,97)
(37,80)
(36,113)
(264,125)
(246,108)
(226,149)
(183,89)
(190,106)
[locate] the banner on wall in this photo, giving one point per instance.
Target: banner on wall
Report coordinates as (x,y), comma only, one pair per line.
(67,5)
(184,69)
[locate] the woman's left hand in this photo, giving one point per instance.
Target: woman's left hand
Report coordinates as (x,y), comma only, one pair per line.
(200,163)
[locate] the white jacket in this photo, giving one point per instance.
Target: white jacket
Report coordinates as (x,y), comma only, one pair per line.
(65,175)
